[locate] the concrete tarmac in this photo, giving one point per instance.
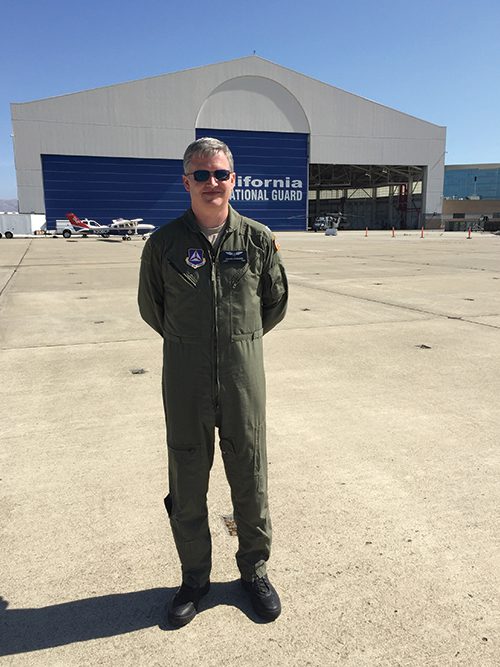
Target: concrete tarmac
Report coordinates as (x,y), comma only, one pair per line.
(383,389)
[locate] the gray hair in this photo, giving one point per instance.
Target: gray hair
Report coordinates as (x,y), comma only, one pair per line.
(206,147)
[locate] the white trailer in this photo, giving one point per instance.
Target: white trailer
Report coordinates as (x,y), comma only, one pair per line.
(19,224)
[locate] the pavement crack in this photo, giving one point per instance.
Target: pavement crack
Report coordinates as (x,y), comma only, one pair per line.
(76,264)
(483,324)
(16,267)
(393,260)
(414,309)
(355,324)
(70,345)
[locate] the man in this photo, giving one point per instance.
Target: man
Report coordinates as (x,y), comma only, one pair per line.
(212,284)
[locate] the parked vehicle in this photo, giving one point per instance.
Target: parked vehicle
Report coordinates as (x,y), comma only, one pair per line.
(19,224)
(73,225)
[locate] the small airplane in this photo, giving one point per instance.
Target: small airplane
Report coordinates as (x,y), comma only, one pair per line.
(120,226)
(127,227)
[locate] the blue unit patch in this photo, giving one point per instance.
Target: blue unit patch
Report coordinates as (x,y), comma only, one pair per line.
(195,258)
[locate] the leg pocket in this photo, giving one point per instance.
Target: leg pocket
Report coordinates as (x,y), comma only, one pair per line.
(245,457)
(188,473)
(184,465)
(259,454)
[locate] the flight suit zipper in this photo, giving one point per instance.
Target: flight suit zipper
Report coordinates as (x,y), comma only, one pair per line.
(214,279)
(216,335)
(185,276)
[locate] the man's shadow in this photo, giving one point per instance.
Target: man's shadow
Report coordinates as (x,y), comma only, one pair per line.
(23,630)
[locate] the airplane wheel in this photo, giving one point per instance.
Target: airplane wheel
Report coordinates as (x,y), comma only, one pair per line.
(9,235)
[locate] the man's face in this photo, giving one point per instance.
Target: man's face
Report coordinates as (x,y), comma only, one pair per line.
(209,195)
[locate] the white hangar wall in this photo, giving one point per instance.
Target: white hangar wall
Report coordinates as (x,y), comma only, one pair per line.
(157,117)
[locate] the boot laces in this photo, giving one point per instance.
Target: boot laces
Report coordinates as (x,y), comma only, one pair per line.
(261,585)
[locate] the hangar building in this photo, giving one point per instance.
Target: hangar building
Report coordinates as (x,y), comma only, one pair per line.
(302,148)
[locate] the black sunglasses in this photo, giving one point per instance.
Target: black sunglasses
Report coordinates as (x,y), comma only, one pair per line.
(202,175)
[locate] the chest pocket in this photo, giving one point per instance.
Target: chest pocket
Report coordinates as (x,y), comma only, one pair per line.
(243,286)
(233,265)
(175,272)
(187,300)
(235,274)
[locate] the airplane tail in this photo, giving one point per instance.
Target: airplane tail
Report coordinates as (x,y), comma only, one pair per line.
(75,221)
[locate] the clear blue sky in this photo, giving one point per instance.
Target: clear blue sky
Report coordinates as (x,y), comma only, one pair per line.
(435,59)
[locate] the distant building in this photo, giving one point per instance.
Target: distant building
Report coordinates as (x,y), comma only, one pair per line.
(302,149)
(471,196)
(472,181)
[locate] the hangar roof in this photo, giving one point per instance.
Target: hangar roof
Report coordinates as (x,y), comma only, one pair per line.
(233,78)
(246,59)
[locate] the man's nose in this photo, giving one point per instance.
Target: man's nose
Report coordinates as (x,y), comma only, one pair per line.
(212,180)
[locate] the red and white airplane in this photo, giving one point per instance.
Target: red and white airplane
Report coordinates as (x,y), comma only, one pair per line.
(73,225)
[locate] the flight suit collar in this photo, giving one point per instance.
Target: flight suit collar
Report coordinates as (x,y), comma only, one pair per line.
(233,220)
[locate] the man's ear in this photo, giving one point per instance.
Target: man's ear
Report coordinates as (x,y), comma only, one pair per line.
(185,182)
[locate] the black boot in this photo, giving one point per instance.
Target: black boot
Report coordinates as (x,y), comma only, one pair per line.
(184,605)
(265,600)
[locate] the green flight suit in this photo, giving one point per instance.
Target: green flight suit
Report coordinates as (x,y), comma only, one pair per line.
(212,308)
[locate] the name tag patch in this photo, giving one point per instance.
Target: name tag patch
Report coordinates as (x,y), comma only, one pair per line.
(238,257)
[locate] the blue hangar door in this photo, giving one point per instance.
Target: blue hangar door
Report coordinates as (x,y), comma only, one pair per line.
(105,188)
(271,175)
(271,183)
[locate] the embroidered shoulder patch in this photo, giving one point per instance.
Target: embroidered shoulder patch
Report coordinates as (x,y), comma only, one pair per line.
(195,258)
